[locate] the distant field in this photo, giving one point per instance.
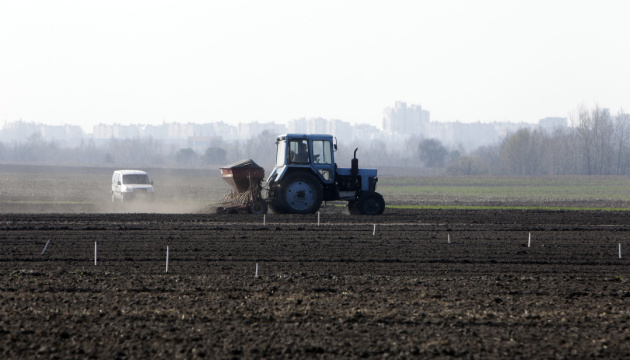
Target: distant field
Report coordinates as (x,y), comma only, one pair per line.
(495,191)
(87,189)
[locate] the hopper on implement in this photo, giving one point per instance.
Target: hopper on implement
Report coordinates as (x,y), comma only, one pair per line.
(245,178)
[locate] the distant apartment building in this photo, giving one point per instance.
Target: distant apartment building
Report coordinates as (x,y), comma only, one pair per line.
(468,136)
(116,131)
(308,126)
(337,128)
(552,124)
(23,131)
(253,129)
(340,129)
(403,119)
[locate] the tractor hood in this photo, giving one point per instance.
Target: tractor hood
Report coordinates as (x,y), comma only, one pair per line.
(365,175)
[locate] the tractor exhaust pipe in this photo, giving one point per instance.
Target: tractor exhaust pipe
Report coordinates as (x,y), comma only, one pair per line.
(354,169)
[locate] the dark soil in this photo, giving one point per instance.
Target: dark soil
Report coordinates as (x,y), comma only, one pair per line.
(422,284)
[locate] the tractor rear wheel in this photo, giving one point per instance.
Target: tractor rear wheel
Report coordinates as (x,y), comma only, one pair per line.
(299,193)
(371,203)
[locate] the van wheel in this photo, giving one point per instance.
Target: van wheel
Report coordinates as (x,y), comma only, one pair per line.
(113,198)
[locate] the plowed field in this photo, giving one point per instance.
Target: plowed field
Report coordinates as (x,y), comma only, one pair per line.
(407,284)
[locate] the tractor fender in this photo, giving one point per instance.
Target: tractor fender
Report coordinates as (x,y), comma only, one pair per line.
(280,173)
(277,174)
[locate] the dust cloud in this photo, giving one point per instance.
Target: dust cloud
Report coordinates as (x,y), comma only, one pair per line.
(53,189)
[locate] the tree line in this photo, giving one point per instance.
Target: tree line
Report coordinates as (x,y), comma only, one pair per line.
(596,143)
(133,152)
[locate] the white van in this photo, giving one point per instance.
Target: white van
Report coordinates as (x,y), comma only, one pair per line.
(128,185)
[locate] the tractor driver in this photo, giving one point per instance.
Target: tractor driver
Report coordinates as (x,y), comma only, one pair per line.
(301,156)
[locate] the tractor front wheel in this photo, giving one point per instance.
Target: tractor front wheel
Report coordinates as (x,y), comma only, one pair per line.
(300,193)
(371,203)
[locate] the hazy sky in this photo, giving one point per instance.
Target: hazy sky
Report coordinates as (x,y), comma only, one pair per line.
(88,62)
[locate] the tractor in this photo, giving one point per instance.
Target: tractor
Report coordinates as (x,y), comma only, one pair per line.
(305,175)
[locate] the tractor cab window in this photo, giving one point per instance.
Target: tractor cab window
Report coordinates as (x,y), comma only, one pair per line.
(281,152)
(321,152)
(298,151)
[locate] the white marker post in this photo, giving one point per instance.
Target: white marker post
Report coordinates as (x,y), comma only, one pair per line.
(264,219)
(167,259)
(318,219)
(529,241)
(374,231)
(95,253)
(620,250)
(449,238)
(45,247)
(256,274)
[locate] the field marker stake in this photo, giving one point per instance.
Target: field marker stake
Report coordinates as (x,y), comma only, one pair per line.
(95,253)
(45,246)
(318,218)
(620,250)
(256,275)
(167,259)
(449,238)
(264,219)
(374,231)
(529,242)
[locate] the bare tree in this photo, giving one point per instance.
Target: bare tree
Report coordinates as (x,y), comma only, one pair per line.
(561,155)
(603,130)
(522,152)
(622,128)
(595,132)
(491,157)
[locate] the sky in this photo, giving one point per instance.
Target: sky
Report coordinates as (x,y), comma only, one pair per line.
(153,62)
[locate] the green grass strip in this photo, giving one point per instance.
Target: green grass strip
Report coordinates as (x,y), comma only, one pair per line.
(477,207)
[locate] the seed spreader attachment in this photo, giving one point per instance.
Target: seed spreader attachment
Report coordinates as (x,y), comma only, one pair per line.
(245,177)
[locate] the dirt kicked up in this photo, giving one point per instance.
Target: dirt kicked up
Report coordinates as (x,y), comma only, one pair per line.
(419,284)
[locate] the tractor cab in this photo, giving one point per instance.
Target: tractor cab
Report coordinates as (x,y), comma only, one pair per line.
(301,151)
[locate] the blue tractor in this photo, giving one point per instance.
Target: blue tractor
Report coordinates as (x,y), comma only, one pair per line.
(305,174)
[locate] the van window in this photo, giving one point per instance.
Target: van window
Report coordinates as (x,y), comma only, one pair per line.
(136,179)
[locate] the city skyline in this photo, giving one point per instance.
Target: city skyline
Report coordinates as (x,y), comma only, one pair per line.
(401,123)
(85,63)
